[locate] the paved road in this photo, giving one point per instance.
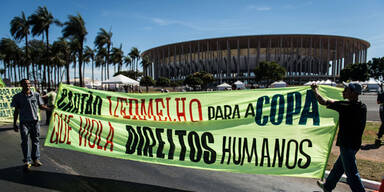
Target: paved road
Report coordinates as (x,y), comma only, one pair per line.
(66,170)
(372,107)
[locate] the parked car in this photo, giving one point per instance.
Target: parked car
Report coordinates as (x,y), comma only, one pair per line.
(371,88)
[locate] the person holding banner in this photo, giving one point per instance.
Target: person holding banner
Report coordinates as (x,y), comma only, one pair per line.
(26,105)
(51,96)
(352,119)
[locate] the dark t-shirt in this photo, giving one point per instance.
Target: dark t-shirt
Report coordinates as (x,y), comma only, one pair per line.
(28,105)
(352,118)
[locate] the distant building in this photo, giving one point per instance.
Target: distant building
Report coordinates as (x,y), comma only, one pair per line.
(304,56)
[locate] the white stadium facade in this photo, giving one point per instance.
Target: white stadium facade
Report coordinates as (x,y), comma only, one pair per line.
(304,56)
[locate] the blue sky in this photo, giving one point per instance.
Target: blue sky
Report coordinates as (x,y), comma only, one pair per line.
(150,23)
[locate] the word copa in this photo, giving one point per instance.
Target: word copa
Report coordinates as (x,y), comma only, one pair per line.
(278,106)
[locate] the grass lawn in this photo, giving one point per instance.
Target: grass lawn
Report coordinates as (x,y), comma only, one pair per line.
(370,131)
(372,170)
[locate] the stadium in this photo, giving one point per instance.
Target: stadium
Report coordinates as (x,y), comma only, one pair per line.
(304,56)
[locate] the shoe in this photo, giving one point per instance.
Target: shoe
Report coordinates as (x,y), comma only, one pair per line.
(321,185)
(27,166)
(377,142)
(37,163)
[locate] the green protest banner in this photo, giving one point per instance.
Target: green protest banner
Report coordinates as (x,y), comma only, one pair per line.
(6,111)
(280,131)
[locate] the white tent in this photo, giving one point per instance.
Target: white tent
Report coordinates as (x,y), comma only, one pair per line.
(77,80)
(96,83)
(121,80)
(239,84)
(223,86)
(329,82)
(309,82)
(278,84)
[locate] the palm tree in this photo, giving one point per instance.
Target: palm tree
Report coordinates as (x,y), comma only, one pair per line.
(9,49)
(74,46)
(20,30)
(4,72)
(117,57)
(100,59)
(58,59)
(145,62)
(62,47)
(127,60)
(135,55)
(37,50)
(89,56)
(75,29)
(41,21)
(102,39)
(18,57)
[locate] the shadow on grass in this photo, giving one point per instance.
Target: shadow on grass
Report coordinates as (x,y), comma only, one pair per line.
(66,182)
(371,146)
(5,129)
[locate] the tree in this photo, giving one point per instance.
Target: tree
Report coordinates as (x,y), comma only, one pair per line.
(74,47)
(3,70)
(20,30)
(100,60)
(75,28)
(89,56)
(163,82)
(176,83)
(117,57)
(193,81)
(9,50)
(199,80)
(376,67)
(269,71)
(58,58)
(65,48)
(127,60)
(131,74)
(41,20)
(37,52)
(145,62)
(102,39)
(135,56)
(205,77)
(147,81)
(355,72)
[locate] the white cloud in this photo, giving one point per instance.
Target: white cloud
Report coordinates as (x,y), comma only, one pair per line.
(259,8)
(148,28)
(164,22)
(161,22)
(296,6)
(206,26)
(109,13)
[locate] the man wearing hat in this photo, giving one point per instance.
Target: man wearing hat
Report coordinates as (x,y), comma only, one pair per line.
(352,118)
